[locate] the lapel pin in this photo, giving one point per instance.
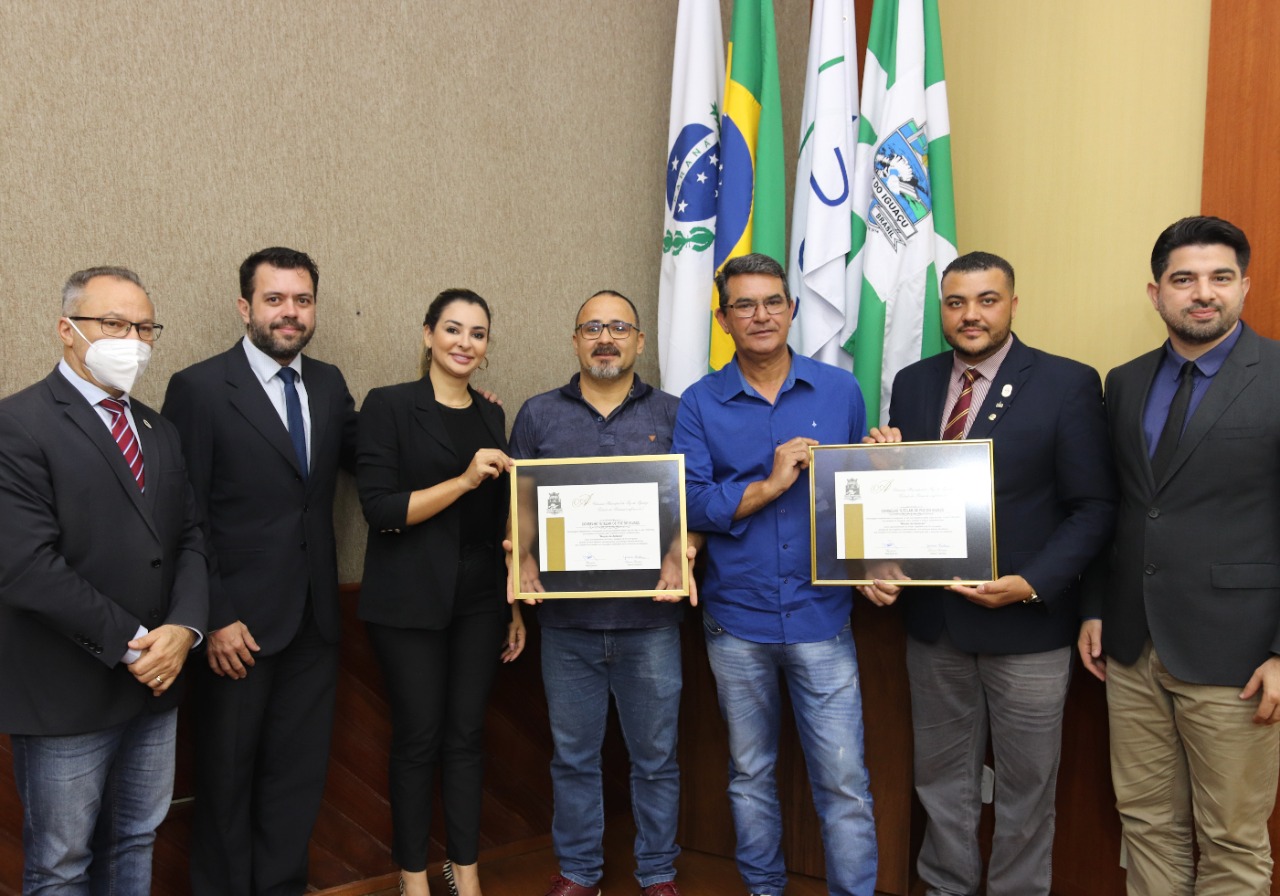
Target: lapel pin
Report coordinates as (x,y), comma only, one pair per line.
(991,417)
(146,422)
(1006,391)
(999,404)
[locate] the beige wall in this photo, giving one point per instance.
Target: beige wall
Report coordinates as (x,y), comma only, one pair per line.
(1078,132)
(517,148)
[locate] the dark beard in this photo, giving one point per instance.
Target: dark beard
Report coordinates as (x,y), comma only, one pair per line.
(264,340)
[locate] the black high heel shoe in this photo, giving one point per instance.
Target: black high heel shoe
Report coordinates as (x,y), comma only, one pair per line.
(448,878)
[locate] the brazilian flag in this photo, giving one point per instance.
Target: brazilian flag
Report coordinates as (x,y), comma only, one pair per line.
(751,205)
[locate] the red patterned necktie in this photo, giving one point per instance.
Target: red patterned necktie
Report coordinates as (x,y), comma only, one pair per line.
(125,438)
(960,410)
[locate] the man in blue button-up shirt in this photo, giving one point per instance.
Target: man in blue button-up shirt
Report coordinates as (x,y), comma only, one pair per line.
(745,432)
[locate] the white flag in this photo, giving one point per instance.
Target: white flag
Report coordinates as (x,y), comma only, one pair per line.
(688,262)
(824,286)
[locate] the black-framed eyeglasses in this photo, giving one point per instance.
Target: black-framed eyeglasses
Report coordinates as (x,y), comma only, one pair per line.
(745,308)
(116,328)
(618,329)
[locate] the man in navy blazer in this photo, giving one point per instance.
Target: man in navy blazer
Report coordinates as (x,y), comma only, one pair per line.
(103,590)
(1188,639)
(996,658)
(265,431)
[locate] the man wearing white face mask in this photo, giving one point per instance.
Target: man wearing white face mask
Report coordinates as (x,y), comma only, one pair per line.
(103,591)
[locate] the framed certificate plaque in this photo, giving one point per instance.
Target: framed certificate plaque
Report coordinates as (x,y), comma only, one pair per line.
(911,513)
(600,527)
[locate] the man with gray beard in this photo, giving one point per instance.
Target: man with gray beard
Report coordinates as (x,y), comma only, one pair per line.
(598,646)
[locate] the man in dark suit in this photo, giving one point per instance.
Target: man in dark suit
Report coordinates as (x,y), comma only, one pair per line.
(997,656)
(1189,595)
(265,430)
(103,591)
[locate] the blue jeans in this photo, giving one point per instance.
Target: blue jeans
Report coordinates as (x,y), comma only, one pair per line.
(94,799)
(822,680)
(641,668)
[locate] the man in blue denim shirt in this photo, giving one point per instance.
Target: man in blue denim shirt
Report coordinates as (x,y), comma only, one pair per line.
(597,646)
(745,432)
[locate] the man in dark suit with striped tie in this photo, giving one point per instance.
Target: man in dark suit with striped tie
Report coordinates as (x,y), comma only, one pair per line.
(265,430)
(995,659)
(103,591)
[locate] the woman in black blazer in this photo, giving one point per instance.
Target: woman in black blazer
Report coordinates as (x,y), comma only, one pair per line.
(432,473)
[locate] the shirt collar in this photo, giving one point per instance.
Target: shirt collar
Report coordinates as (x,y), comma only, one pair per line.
(264,366)
(92,392)
(988,367)
(801,369)
(1211,361)
(573,389)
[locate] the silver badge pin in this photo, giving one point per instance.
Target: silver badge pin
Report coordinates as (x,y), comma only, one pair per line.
(1006,391)
(146,422)
(991,417)
(999,404)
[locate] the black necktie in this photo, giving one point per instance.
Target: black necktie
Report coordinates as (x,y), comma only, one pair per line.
(293,410)
(1174,423)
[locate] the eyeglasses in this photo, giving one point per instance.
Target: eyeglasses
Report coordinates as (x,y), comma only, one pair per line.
(745,308)
(618,329)
(118,329)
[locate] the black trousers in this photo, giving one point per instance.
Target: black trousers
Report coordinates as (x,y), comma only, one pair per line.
(262,753)
(438,684)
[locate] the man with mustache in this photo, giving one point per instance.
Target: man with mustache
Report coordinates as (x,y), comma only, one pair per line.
(996,659)
(265,430)
(745,431)
(1186,632)
(591,648)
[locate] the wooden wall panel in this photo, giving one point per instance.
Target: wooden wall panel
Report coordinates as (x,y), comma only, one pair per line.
(1242,142)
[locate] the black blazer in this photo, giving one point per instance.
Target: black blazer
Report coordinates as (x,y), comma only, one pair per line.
(270,533)
(85,558)
(1054,494)
(410,571)
(1195,564)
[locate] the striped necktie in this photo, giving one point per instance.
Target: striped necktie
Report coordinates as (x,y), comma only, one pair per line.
(960,410)
(130,447)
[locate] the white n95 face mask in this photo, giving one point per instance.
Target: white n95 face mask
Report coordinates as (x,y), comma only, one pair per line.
(115,363)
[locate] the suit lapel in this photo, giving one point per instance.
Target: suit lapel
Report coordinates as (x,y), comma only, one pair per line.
(492,419)
(428,416)
(1010,379)
(86,418)
(153,460)
(250,399)
(1236,373)
(318,404)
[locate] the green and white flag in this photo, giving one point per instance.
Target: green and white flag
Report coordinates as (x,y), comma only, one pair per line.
(818,270)
(686,286)
(904,227)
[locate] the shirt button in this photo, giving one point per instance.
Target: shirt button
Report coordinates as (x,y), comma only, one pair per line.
(782,510)
(155,564)
(1153,512)
(785,546)
(1150,569)
(785,581)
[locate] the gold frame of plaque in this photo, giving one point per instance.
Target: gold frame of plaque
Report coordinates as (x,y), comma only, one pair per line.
(561,488)
(940,530)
